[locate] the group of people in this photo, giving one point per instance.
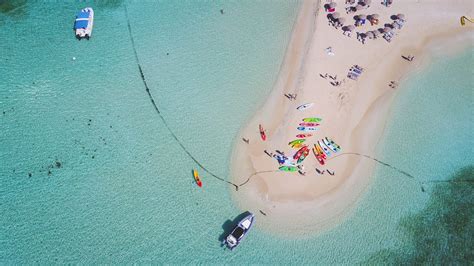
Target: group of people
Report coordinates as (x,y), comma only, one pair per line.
(291,97)
(335,82)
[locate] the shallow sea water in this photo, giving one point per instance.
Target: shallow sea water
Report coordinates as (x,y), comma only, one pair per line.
(124,192)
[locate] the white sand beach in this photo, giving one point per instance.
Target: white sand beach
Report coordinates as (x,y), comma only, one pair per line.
(354,113)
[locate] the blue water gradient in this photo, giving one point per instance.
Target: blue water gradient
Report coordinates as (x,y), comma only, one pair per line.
(110,185)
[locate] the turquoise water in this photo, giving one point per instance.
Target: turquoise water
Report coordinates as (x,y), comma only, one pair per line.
(120,189)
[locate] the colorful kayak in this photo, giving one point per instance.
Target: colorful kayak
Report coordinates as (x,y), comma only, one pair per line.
(320,151)
(305,106)
(328,144)
(296,141)
(302,136)
(288,168)
(300,152)
(325,149)
(334,144)
(307,128)
(262,133)
(312,119)
(304,124)
(297,145)
(196,178)
(318,157)
(303,156)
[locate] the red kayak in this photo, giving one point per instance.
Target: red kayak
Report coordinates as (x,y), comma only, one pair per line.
(305,124)
(302,136)
(262,133)
(318,156)
(300,152)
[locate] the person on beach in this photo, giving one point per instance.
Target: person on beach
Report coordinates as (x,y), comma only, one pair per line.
(245,140)
(268,153)
(330,172)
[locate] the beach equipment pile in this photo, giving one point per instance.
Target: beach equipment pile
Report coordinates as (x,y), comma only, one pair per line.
(354,72)
(324,148)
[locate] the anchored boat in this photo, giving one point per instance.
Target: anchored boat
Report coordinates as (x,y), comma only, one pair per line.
(239,232)
(84,23)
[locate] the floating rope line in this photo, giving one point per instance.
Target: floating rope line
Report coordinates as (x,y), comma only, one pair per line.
(256,173)
(376,160)
(152,100)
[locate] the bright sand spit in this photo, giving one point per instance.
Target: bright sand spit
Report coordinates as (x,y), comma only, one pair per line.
(354,114)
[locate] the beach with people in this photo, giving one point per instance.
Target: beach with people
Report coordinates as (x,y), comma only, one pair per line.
(346,58)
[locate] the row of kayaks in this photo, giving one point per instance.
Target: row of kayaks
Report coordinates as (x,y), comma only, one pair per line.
(309,124)
(324,148)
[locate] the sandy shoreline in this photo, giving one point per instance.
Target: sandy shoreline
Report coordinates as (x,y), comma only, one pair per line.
(354,114)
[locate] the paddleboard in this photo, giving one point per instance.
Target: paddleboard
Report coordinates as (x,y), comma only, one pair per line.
(304,124)
(296,141)
(305,106)
(302,136)
(312,119)
(307,128)
(262,133)
(196,178)
(288,168)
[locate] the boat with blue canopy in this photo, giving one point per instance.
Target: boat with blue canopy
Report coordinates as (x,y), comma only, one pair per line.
(84,23)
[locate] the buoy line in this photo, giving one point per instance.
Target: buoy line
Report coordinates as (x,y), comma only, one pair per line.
(155,106)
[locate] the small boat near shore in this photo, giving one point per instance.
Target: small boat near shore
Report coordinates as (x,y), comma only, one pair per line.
(239,232)
(84,23)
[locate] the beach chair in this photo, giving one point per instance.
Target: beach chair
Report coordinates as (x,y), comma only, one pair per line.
(388,36)
(352,76)
(356,71)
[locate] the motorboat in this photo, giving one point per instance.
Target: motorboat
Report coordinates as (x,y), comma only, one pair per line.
(84,23)
(239,232)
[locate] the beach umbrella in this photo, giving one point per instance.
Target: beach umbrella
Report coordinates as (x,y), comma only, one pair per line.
(359,7)
(381,30)
(374,16)
(370,34)
(361,17)
(387,29)
(351,27)
(376,33)
(335,15)
(332,5)
(341,20)
(367,2)
(401,16)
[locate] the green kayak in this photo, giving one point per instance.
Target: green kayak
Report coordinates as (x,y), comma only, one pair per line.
(312,119)
(288,168)
(296,141)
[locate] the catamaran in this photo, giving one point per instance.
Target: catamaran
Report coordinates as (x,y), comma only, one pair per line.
(84,23)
